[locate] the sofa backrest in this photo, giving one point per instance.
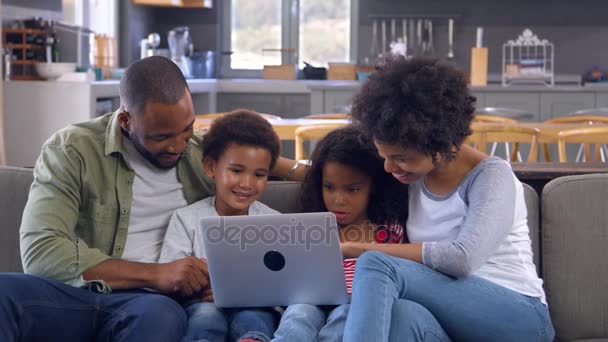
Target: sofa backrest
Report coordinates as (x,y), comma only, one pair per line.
(281,196)
(574,257)
(14,189)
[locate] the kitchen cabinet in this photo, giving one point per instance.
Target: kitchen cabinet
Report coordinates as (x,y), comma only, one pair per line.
(176,3)
(562,104)
(262,103)
(283,105)
(338,101)
(324,101)
(481,99)
(523,101)
(601,100)
(296,105)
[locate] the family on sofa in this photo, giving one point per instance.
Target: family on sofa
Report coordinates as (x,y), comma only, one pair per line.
(434,230)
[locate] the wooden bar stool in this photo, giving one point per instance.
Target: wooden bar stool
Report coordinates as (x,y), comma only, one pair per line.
(328,116)
(582,119)
(313,132)
(508,113)
(217,115)
(590,135)
(508,134)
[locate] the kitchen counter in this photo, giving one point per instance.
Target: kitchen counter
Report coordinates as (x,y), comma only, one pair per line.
(36,109)
(109,88)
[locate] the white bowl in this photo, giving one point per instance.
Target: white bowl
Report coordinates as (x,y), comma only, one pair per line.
(52,71)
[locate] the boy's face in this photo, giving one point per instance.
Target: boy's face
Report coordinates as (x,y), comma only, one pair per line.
(240,177)
(346,193)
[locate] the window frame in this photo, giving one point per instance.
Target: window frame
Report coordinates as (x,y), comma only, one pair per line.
(290,22)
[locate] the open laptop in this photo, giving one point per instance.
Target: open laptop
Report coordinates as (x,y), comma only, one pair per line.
(274,260)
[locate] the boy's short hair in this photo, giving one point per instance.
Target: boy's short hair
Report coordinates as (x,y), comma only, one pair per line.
(419,103)
(241,127)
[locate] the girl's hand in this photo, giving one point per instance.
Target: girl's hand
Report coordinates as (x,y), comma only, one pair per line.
(351,250)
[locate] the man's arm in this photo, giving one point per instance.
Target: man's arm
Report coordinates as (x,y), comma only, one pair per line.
(183,277)
(284,169)
(49,244)
(51,248)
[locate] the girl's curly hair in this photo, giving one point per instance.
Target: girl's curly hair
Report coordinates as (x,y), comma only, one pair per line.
(419,103)
(349,146)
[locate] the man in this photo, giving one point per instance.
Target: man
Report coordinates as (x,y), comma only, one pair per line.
(97,212)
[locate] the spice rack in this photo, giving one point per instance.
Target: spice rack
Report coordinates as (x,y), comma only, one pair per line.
(27,47)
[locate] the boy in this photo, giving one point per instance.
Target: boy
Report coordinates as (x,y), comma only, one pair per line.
(239,151)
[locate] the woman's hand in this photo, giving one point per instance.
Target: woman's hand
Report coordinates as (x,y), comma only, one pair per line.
(351,250)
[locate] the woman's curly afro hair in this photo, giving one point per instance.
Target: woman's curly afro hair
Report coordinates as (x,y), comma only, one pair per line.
(420,103)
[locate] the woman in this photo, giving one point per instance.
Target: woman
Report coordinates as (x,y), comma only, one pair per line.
(467,272)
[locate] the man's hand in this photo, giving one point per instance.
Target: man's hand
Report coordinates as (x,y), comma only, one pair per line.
(207,295)
(182,277)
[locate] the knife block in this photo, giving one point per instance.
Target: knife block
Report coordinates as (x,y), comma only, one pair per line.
(479,66)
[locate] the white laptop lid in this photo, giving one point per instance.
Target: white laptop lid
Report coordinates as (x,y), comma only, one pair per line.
(270,260)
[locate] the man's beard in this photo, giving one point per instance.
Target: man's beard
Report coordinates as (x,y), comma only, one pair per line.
(149,156)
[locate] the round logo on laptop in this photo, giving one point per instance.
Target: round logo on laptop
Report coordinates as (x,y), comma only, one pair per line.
(274,260)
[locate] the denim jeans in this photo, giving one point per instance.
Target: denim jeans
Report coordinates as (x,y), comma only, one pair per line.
(207,322)
(437,307)
(333,330)
(300,322)
(38,309)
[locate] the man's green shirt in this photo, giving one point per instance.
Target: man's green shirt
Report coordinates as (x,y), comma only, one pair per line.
(78,210)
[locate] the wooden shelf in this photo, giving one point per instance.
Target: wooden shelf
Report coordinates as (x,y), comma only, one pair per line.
(27,31)
(22,68)
(26,62)
(24,46)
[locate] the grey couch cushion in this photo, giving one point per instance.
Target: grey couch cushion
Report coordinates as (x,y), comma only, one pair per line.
(532,207)
(575,240)
(282,196)
(15,186)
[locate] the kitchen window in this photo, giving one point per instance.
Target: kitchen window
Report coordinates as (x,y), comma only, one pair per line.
(271,32)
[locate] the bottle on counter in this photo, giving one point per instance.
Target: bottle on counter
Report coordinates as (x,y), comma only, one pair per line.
(52,44)
(7,60)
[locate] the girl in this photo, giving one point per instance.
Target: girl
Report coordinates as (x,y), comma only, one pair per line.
(346,178)
(467,273)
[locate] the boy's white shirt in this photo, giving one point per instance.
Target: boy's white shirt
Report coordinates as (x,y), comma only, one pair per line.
(183,239)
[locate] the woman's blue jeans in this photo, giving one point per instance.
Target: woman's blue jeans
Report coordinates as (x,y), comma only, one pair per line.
(437,307)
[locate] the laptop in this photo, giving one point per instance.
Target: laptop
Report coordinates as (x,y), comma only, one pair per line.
(274,260)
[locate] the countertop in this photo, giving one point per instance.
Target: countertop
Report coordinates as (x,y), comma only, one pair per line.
(305,86)
(109,88)
(241,85)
